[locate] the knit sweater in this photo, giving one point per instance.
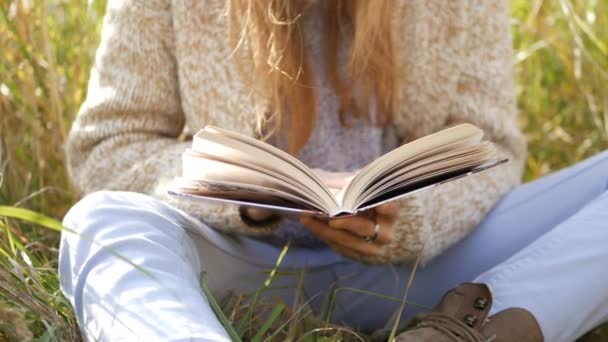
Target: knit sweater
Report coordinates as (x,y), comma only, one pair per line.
(163,70)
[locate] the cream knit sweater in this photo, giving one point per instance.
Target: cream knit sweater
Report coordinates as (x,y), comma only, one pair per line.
(163,71)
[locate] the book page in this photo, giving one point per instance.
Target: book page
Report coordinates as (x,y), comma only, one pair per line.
(233,147)
(232,159)
(234,168)
(460,155)
(199,169)
(418,185)
(449,163)
(465,133)
(246,194)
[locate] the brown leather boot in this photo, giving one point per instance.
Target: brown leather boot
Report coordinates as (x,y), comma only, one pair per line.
(462,316)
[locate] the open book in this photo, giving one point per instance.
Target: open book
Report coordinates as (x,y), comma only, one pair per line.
(230,167)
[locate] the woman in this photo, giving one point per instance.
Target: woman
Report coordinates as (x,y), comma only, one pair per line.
(337,83)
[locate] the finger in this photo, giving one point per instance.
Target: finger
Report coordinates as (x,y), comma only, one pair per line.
(323,231)
(345,239)
(315,225)
(359,225)
(387,209)
(308,220)
(347,252)
(385,230)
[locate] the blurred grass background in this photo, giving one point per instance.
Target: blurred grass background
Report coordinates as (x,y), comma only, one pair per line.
(46,49)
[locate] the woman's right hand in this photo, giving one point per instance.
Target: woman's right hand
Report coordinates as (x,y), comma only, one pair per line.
(356,236)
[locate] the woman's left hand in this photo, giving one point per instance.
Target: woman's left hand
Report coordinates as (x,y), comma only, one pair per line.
(356,236)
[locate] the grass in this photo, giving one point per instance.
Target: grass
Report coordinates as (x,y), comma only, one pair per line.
(47,49)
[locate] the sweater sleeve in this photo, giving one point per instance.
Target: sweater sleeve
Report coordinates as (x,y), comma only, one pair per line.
(127,133)
(432,220)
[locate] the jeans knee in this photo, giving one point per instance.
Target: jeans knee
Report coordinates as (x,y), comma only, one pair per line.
(601,157)
(78,236)
(97,203)
(121,215)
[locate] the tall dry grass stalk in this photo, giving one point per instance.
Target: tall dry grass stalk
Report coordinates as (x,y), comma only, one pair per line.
(16,322)
(46,49)
(562,73)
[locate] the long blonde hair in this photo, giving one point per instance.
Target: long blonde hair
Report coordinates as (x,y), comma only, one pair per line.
(269,45)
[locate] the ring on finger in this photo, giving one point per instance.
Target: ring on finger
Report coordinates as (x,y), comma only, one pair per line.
(374,237)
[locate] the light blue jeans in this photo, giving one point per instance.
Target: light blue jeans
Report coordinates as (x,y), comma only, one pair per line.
(130,265)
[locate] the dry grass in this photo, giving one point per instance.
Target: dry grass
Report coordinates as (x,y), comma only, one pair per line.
(46,52)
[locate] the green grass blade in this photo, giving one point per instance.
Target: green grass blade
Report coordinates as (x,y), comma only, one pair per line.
(247,317)
(334,295)
(14,245)
(31,216)
(217,310)
(274,315)
(402,306)
(46,337)
(9,236)
(4,253)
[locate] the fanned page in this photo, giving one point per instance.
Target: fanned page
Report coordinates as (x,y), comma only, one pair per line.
(230,167)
